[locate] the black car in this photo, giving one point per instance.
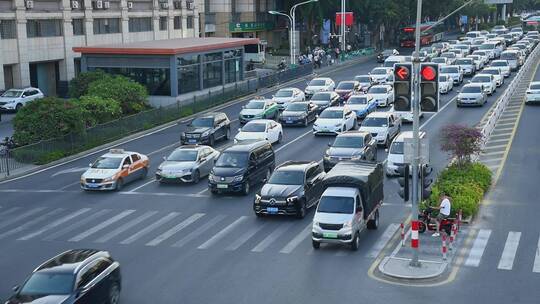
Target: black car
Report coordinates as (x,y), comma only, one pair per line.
(206,129)
(241,166)
(350,145)
(82,276)
(324,100)
(293,188)
(299,113)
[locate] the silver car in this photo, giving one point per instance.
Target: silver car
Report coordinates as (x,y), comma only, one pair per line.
(187,164)
(472,95)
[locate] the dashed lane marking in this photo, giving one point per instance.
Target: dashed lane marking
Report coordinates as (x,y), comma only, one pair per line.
(536,266)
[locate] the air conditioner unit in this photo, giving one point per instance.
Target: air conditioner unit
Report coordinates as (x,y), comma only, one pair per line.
(130,5)
(190,5)
(177,4)
(74,4)
(164,5)
(98,4)
(29,4)
(106,4)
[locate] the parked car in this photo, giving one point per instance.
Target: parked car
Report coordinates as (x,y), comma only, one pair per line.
(299,113)
(503,66)
(362,105)
(383,94)
(293,188)
(450,57)
(472,94)
(497,73)
(365,82)
(446,84)
(288,95)
(260,129)
(241,166)
(487,81)
(207,129)
(346,88)
(467,66)
(324,100)
(383,126)
(453,71)
(187,164)
(15,99)
(533,93)
(350,145)
(335,120)
(258,109)
(380,75)
(319,84)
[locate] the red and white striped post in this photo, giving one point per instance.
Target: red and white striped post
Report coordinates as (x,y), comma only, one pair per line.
(402,234)
(414,235)
(444,246)
(452,236)
(460,214)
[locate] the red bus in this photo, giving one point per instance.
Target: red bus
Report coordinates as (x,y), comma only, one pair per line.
(428,34)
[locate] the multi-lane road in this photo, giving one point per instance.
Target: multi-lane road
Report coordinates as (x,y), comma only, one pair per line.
(180,244)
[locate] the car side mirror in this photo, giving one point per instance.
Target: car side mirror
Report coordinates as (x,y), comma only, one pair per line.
(386,150)
(243,107)
(15,288)
(239,129)
(125,166)
(164,157)
(358,209)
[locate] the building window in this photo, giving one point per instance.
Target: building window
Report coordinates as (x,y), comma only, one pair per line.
(106,25)
(232,65)
(156,80)
(44,28)
(78,26)
(162,23)
(190,22)
(188,73)
(8,29)
(142,24)
(177,23)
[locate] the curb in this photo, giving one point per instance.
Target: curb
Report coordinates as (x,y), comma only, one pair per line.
(156,129)
(442,268)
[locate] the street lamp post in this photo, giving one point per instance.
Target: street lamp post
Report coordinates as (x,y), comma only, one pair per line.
(292,13)
(290,34)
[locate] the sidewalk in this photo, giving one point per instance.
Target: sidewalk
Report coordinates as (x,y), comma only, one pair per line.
(6,125)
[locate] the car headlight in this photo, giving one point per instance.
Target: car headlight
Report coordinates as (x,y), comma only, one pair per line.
(303,115)
(356,157)
(291,199)
(238,178)
(206,133)
(258,115)
(108,179)
(11,101)
(316,223)
(337,125)
(159,170)
(257,199)
(347,224)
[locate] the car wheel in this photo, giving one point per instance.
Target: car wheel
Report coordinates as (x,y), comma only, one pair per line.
(315,244)
(144,173)
(355,124)
(228,134)
(114,294)
(119,184)
(374,157)
(246,188)
(18,107)
(196,176)
(374,223)
(387,142)
(211,141)
(302,212)
(355,244)
(259,214)
(280,137)
(305,123)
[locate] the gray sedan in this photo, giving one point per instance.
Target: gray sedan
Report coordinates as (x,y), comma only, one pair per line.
(187,164)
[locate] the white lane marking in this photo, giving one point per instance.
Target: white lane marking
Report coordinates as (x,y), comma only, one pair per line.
(297,239)
(202,191)
(101,226)
(487,147)
(164,148)
(145,184)
(244,237)
(497,141)
(440,110)
(199,231)
(69,185)
(149,228)
(492,153)
(167,234)
(54,224)
(70,170)
(509,252)
(31,222)
(222,233)
(20,217)
(125,227)
(293,141)
(271,238)
(165,194)
(477,250)
(383,239)
(9,211)
(76,225)
(536,266)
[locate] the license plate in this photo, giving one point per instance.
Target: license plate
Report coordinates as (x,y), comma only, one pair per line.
(288,121)
(92,185)
(330,235)
(272,209)
(192,141)
(222,186)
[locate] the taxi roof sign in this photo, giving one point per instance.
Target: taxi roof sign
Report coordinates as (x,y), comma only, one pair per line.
(117,151)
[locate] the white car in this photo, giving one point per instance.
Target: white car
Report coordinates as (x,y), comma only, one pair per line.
(383,126)
(320,84)
(533,93)
(489,48)
(288,95)
(497,73)
(440,60)
(459,53)
(453,71)
(396,159)
(503,65)
(446,84)
(483,54)
(382,94)
(478,61)
(487,80)
(261,129)
(467,66)
(14,99)
(450,57)
(365,82)
(335,120)
(471,94)
(380,75)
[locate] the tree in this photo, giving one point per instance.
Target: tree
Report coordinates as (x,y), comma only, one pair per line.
(131,95)
(78,86)
(461,142)
(97,110)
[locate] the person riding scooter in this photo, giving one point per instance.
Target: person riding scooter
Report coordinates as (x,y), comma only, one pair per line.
(445,206)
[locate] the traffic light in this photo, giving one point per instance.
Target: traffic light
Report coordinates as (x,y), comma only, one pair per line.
(425,182)
(403,86)
(429,87)
(404,182)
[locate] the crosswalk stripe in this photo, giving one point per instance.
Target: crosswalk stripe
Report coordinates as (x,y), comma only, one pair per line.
(54,224)
(381,242)
(199,231)
(222,233)
(167,234)
(125,227)
(30,223)
(509,252)
(536,266)
(149,228)
(9,211)
(20,217)
(477,250)
(244,237)
(297,239)
(271,238)
(76,225)
(101,226)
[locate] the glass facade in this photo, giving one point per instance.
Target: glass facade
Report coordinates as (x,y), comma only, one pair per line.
(157,81)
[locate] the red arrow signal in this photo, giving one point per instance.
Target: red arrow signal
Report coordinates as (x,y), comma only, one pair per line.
(402,73)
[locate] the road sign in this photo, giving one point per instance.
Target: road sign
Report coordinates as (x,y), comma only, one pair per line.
(408,150)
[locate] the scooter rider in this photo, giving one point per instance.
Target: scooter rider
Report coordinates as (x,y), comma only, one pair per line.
(445,206)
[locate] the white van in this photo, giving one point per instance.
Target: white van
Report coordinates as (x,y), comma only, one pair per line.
(390,61)
(395,157)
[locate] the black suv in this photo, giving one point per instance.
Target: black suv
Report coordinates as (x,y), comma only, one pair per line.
(82,276)
(293,188)
(206,129)
(350,145)
(241,166)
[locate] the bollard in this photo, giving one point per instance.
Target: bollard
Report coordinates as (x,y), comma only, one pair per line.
(459,219)
(402,234)
(452,235)
(444,246)
(414,234)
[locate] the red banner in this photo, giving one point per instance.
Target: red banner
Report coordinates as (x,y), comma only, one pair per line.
(349,19)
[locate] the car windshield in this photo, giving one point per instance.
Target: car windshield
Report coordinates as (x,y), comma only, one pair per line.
(510,56)
(481,79)
(232,159)
(345,86)
(396,147)
(317,82)
(499,64)
(321,96)
(388,52)
(443,78)
(378,71)
(284,93)
(254,127)
(362,79)
(348,142)
(439,60)
(297,107)
(375,122)
(475,57)
(464,62)
(479,53)
(203,122)
(491,71)
(456,51)
(535,87)
(12,93)
(255,105)
(390,63)
(448,55)
(377,90)
(183,155)
(48,284)
(471,89)
(107,163)
(461,47)
(487,46)
(287,177)
(357,100)
(449,70)
(332,114)
(336,204)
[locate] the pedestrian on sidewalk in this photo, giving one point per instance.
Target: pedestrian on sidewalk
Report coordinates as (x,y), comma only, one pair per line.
(445,206)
